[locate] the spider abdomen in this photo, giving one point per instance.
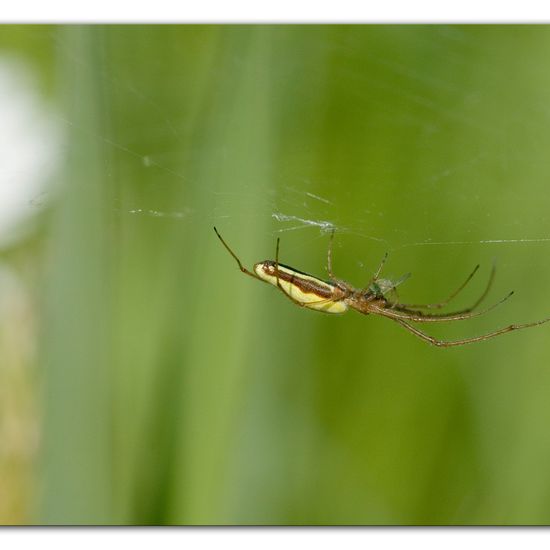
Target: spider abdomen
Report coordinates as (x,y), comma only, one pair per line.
(304,289)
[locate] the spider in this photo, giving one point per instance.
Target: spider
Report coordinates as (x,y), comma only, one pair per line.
(337,296)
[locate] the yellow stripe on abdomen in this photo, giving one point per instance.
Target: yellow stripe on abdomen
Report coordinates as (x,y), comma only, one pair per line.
(318,295)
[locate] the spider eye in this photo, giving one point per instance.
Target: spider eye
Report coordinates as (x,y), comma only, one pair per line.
(265,268)
(268,267)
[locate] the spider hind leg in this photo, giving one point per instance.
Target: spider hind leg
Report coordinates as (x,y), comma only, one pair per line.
(447,344)
(445,302)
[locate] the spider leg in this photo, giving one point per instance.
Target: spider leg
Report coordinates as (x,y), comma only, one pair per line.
(241,267)
(329,256)
(420,317)
(280,286)
(447,344)
(454,294)
(466,311)
(277,263)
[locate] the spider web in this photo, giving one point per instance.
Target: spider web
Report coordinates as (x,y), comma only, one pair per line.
(450,204)
(409,164)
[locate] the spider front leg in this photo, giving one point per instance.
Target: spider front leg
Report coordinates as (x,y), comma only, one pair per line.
(279,285)
(331,276)
(287,294)
(329,256)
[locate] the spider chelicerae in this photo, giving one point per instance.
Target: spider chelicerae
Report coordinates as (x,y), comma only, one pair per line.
(337,296)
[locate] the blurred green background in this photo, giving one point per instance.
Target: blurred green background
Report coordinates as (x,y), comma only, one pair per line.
(145,380)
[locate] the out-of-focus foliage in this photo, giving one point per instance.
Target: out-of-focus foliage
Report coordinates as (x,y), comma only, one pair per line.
(147,381)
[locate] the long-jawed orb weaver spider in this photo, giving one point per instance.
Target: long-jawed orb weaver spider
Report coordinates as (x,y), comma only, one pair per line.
(337,296)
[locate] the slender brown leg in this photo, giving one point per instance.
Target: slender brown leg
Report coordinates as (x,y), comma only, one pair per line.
(241,267)
(277,263)
(454,294)
(408,309)
(447,344)
(280,287)
(420,317)
(329,256)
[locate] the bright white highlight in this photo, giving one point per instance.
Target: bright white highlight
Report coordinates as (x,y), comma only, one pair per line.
(29,150)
